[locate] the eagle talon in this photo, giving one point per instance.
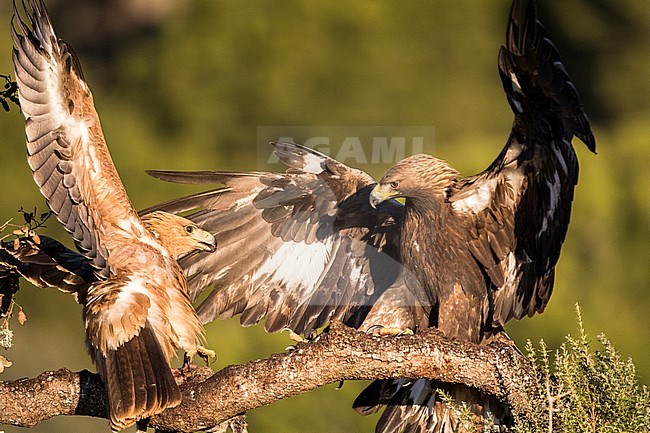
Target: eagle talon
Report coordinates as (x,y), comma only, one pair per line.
(142,425)
(395,332)
(502,340)
(207,355)
(385,331)
(371,330)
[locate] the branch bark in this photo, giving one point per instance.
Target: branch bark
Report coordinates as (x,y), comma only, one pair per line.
(340,354)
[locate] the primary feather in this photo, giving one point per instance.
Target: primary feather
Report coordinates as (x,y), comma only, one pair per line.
(136,307)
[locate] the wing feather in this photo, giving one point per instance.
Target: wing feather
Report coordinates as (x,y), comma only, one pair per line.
(288,250)
(66,150)
(48,263)
(522,203)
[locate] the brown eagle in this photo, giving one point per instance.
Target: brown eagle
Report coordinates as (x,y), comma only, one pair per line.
(465,255)
(324,241)
(137,311)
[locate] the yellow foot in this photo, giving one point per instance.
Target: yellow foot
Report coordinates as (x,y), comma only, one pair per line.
(395,332)
(384,331)
(209,356)
(296,337)
(502,339)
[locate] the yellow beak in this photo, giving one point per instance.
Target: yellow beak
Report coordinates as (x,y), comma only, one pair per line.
(207,241)
(381,193)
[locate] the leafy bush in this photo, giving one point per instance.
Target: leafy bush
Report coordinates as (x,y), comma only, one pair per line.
(585,389)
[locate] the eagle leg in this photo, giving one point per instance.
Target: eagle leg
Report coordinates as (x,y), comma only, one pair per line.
(186,368)
(207,355)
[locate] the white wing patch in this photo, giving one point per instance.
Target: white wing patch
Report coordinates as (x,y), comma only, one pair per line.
(512,272)
(479,200)
(247,200)
(224,271)
(515,81)
(135,285)
(135,228)
(559,156)
(298,265)
(312,164)
(118,320)
(479,196)
(517,89)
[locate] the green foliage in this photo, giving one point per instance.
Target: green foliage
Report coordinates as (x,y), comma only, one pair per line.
(580,389)
(585,389)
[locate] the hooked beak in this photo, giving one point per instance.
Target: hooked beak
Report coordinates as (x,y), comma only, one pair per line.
(210,243)
(381,193)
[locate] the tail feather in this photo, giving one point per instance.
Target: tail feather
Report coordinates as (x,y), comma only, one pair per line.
(138,380)
(418,406)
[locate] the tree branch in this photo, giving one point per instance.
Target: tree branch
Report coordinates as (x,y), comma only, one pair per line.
(340,354)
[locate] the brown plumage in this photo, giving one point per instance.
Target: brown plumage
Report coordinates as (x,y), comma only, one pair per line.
(465,255)
(47,263)
(136,308)
(324,241)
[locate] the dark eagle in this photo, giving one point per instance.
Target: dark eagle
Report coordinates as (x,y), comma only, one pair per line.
(323,241)
(465,255)
(137,311)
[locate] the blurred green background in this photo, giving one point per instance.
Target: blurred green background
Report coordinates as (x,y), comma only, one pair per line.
(185,84)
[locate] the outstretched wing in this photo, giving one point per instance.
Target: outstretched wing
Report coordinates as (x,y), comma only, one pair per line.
(518,212)
(522,202)
(48,263)
(298,248)
(66,149)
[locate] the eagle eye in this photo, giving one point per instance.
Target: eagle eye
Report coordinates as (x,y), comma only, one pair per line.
(394,184)
(189,229)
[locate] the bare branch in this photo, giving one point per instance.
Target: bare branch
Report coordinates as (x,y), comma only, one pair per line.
(341,354)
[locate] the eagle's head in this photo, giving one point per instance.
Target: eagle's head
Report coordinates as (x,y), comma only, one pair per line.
(417,177)
(179,235)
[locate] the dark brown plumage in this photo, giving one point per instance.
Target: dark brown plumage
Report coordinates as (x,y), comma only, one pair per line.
(463,254)
(9,285)
(137,311)
(48,263)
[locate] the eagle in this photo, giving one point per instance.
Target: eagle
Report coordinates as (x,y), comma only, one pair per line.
(136,307)
(324,241)
(465,255)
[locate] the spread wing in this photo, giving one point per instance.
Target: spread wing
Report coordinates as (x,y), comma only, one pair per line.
(127,310)
(48,263)
(65,143)
(522,203)
(298,248)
